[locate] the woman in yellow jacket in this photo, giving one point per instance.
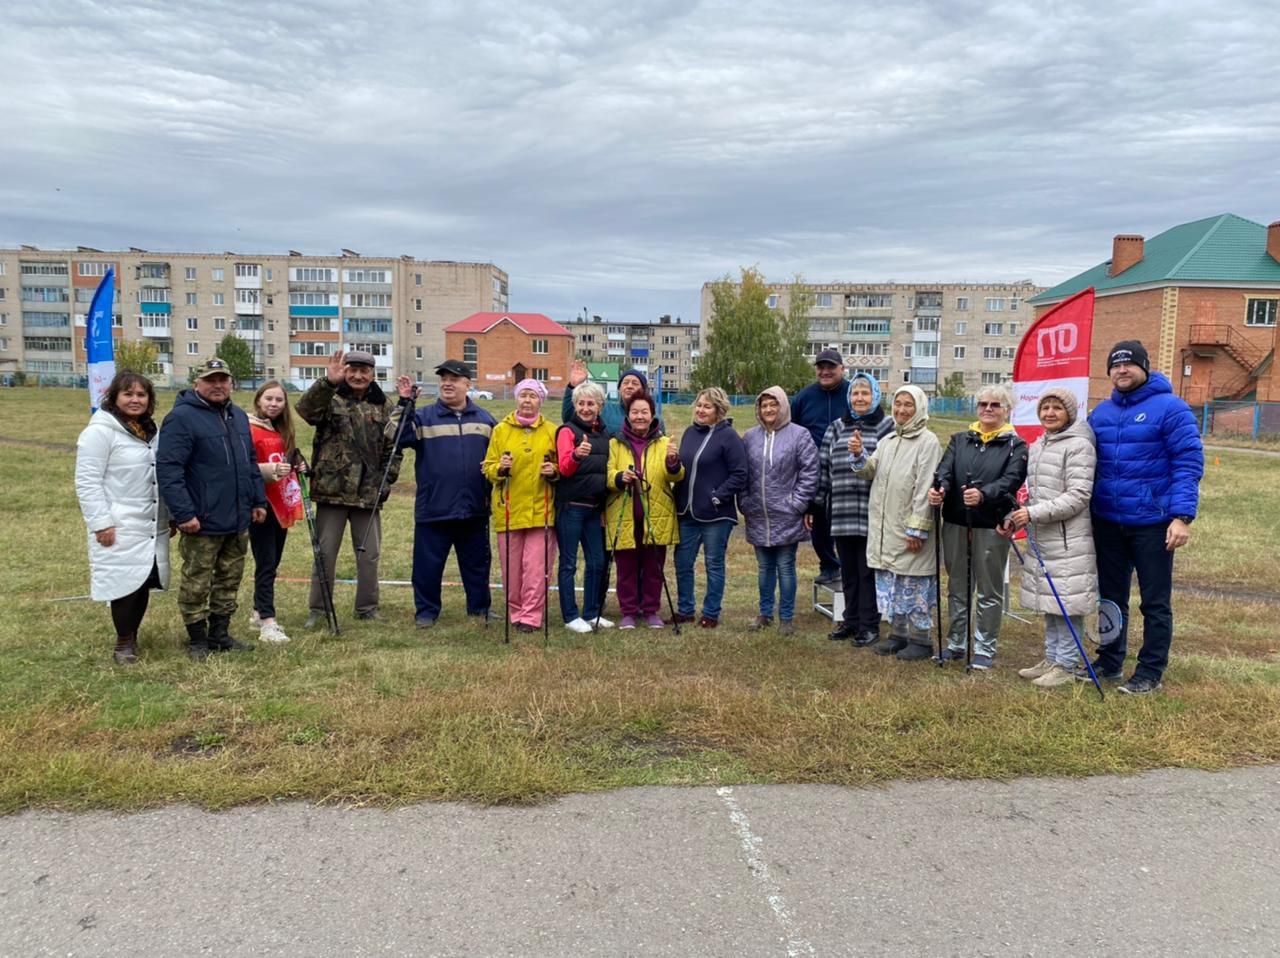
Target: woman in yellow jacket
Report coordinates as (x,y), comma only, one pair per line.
(640,516)
(521,466)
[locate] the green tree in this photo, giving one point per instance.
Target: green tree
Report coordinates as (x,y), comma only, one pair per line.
(237,354)
(751,345)
(136,356)
(954,387)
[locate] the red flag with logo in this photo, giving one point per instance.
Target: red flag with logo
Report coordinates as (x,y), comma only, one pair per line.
(1053,352)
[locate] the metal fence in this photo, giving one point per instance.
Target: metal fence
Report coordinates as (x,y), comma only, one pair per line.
(1242,420)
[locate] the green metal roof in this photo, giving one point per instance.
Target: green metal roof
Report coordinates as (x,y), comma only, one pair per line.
(1226,248)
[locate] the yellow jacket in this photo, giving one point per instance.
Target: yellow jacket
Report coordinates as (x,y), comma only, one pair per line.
(657,496)
(532,498)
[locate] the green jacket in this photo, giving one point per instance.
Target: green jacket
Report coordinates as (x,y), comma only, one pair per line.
(351,447)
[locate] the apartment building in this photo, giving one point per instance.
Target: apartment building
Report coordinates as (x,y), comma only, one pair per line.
(667,349)
(293,310)
(919,333)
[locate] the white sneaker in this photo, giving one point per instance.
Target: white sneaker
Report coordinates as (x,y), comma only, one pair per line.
(602,623)
(255,620)
(1037,670)
(273,633)
(578,625)
(1054,677)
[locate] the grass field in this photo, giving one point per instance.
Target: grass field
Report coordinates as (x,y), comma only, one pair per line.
(387,715)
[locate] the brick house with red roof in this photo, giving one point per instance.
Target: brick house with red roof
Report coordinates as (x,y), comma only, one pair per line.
(504,348)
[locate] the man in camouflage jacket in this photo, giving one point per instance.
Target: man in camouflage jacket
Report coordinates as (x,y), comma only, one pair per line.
(350,454)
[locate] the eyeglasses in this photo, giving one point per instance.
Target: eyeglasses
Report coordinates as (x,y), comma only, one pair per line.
(990,405)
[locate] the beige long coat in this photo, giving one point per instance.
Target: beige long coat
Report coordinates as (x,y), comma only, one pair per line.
(1060,470)
(902,468)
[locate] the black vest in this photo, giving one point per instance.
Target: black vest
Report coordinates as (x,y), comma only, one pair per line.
(588,484)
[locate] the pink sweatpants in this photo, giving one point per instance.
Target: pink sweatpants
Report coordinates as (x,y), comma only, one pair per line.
(526,588)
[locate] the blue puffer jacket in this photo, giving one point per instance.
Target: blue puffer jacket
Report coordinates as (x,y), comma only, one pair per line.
(816,408)
(1150,458)
(206,467)
(715,464)
(448,449)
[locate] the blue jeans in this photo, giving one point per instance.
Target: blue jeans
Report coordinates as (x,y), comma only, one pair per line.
(578,525)
(713,538)
(777,568)
(1122,550)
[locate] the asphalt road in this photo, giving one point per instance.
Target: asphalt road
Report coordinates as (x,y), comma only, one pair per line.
(1168,863)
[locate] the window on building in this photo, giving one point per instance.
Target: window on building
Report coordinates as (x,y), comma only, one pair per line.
(417,279)
(962,328)
(1260,312)
(305,348)
(219,299)
(868,300)
(928,324)
(993,329)
(311,274)
(995,304)
(470,353)
(957,352)
(906,351)
(417,328)
(822,301)
(193,322)
(906,376)
(1013,329)
(219,322)
(1013,303)
(992,352)
(540,374)
(928,300)
(992,379)
(417,305)
(925,349)
(190,273)
(248,297)
(248,270)
(93,269)
(417,352)
(191,299)
(540,347)
(366,276)
(193,348)
(4,292)
(368,300)
(271,349)
(962,302)
(217,274)
(268,276)
(772,301)
(149,294)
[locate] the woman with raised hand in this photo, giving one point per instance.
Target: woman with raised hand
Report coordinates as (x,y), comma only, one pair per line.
(582,454)
(979,477)
(276,448)
(640,516)
(900,523)
(715,473)
(521,465)
(782,478)
(848,495)
(1060,467)
(127,520)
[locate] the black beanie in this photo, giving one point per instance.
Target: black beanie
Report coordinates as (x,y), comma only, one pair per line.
(1129,351)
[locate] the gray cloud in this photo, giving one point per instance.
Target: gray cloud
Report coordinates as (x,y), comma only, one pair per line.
(617,157)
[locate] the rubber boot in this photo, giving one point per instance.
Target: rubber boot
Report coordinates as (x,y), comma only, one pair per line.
(918,646)
(198,646)
(890,645)
(126,652)
(220,640)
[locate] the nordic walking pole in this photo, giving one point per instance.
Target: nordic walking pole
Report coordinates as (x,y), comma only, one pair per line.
(506,558)
(1061,607)
(546,552)
(317,555)
(968,596)
(937,564)
(395,449)
(613,546)
(662,568)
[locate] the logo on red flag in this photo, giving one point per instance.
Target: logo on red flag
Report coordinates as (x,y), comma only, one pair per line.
(1053,352)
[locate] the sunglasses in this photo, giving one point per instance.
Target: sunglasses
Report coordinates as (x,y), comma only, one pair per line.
(990,405)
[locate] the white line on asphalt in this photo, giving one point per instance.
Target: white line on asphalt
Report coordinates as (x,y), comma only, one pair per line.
(796,945)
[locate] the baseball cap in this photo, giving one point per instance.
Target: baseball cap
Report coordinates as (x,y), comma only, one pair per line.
(212,367)
(828,356)
(455,367)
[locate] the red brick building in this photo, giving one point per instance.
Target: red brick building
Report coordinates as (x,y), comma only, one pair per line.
(1203,297)
(504,348)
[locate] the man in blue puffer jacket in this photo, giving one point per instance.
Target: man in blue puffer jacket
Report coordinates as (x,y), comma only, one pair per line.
(209,477)
(1145,494)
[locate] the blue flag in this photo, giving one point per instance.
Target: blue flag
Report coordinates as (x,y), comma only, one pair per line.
(99,348)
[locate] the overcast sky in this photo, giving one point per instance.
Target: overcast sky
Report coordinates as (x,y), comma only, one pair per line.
(618,155)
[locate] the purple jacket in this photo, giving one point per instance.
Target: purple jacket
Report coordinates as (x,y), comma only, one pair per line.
(782,478)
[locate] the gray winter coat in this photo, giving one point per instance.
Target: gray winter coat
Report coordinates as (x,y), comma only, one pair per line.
(1060,469)
(782,478)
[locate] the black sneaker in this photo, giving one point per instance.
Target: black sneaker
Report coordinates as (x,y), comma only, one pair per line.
(842,632)
(831,577)
(866,637)
(1082,674)
(1139,686)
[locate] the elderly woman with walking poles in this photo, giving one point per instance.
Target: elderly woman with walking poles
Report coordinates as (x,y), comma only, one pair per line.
(899,523)
(978,478)
(706,502)
(1060,472)
(128,524)
(582,455)
(782,478)
(847,495)
(640,516)
(521,465)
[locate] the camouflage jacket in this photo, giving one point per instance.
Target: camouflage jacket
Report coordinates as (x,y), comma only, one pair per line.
(351,449)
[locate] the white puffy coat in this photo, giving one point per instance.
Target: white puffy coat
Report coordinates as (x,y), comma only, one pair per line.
(1060,469)
(116,485)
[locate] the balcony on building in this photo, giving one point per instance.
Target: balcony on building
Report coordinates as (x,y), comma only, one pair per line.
(923,375)
(928,304)
(857,330)
(869,304)
(248,327)
(380,330)
(152,275)
(617,352)
(248,276)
